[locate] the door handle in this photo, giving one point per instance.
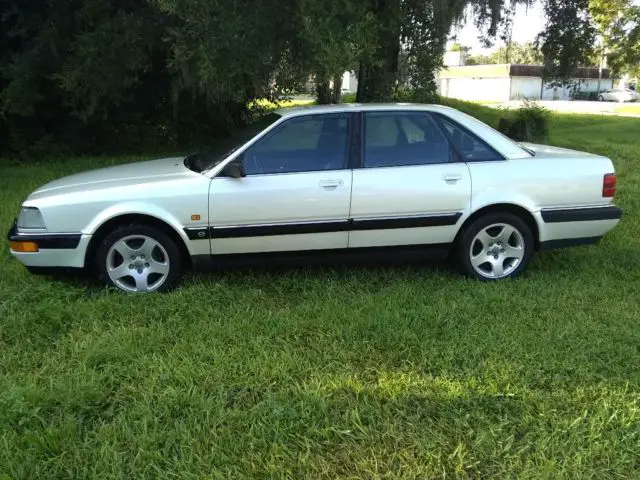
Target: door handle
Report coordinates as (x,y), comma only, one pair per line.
(452,178)
(331,184)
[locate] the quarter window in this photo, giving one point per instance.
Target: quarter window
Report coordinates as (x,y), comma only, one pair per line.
(303,144)
(469,147)
(394,139)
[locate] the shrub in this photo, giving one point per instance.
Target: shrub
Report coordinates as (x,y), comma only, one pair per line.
(528,123)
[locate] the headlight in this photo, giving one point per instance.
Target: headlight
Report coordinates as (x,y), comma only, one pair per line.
(30,218)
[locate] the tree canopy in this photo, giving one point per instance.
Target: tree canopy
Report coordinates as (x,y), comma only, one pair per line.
(519,53)
(100,75)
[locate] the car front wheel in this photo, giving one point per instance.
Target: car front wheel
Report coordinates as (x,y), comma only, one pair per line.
(496,246)
(139,259)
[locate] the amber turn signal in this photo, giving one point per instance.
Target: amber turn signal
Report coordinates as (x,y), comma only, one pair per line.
(24,247)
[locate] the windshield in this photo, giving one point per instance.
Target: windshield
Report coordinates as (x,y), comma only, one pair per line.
(212,156)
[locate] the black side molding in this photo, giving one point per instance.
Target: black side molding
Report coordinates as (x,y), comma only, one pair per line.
(286,229)
(62,241)
(581,214)
(351,225)
(405,222)
(567,242)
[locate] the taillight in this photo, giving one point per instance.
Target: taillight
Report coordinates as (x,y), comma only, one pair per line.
(609,185)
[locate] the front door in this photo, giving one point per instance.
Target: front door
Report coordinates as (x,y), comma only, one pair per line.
(296,194)
(411,189)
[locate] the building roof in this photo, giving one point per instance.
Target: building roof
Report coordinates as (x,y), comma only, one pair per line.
(506,70)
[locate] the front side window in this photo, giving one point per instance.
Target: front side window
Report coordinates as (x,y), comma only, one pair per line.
(467,146)
(302,144)
(395,139)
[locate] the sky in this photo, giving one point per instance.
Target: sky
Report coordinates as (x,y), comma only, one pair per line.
(528,22)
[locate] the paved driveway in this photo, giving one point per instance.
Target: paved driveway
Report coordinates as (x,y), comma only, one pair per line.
(576,106)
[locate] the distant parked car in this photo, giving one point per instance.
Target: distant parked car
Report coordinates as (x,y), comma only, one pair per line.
(619,95)
(324,180)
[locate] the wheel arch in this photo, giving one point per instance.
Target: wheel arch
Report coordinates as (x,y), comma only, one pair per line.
(512,208)
(112,223)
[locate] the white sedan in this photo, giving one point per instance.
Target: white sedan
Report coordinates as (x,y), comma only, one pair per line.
(324,180)
(619,95)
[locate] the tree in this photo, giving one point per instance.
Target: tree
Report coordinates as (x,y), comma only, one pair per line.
(624,53)
(423,27)
(78,71)
(568,40)
(481,60)
(618,25)
(521,53)
(518,53)
(98,74)
(333,33)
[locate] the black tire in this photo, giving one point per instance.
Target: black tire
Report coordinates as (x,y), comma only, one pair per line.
(166,247)
(600,98)
(464,252)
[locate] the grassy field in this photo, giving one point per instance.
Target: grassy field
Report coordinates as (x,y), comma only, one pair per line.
(631,108)
(405,371)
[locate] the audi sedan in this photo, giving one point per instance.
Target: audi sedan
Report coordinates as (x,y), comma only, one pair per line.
(324,180)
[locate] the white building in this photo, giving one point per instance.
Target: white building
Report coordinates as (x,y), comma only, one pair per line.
(505,82)
(349,82)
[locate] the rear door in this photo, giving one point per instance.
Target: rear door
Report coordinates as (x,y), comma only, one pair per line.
(295,196)
(411,188)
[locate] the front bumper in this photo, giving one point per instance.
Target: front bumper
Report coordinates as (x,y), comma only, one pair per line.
(54,249)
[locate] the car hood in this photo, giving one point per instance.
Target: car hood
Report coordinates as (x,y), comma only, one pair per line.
(549,151)
(117,176)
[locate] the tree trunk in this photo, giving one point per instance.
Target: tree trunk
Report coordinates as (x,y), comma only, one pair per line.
(323,90)
(337,89)
(376,80)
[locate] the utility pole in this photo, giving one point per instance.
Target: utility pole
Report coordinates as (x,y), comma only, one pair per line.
(600,68)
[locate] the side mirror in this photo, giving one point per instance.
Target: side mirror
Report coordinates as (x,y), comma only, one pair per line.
(234,169)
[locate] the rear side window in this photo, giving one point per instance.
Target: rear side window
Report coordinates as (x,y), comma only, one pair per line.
(396,139)
(468,147)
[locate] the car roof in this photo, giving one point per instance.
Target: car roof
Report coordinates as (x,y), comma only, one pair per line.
(358,107)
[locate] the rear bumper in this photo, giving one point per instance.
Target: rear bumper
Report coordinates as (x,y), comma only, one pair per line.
(54,249)
(576,226)
(581,214)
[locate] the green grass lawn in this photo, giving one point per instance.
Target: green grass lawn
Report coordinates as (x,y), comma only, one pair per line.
(631,108)
(362,372)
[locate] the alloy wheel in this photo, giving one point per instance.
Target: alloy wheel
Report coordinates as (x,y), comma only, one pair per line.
(497,250)
(137,263)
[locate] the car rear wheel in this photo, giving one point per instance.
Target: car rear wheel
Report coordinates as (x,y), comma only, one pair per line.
(139,259)
(600,98)
(496,246)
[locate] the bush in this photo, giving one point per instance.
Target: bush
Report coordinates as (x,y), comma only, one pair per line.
(349,98)
(528,123)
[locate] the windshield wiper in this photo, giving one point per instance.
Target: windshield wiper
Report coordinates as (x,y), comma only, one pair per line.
(528,150)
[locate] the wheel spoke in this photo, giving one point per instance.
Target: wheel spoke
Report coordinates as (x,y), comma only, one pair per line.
(158,267)
(497,268)
(484,238)
(513,252)
(479,260)
(120,271)
(123,249)
(141,279)
(506,234)
(147,247)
